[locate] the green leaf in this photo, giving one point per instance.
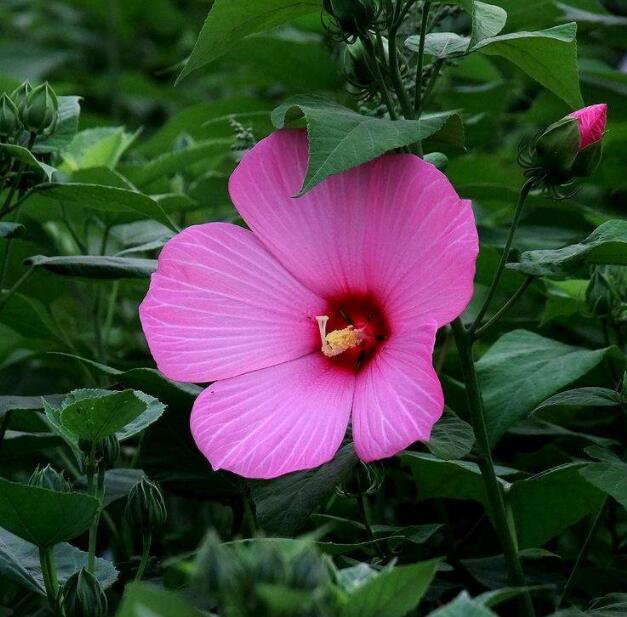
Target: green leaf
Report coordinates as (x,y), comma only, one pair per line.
(522,369)
(11,230)
(463,606)
(550,502)
(95,266)
(67,126)
(231,20)
(96,414)
(44,517)
(340,138)
(28,159)
(607,244)
(144,600)
(451,438)
(548,56)
(582,397)
(283,504)
(176,161)
(28,317)
(106,199)
(97,147)
(609,476)
(19,562)
(440,44)
(393,593)
(564,299)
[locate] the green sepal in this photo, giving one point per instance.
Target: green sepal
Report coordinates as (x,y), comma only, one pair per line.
(557,147)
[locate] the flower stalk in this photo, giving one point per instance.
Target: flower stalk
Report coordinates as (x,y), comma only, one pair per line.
(49,573)
(463,340)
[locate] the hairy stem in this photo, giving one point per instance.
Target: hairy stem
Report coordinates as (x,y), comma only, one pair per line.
(486,464)
(522,198)
(146,542)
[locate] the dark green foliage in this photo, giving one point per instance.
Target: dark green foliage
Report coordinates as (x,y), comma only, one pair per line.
(103,159)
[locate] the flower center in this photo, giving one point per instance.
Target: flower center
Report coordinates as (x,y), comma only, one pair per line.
(352,330)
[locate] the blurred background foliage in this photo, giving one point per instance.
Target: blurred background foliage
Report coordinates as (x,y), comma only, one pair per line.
(177,145)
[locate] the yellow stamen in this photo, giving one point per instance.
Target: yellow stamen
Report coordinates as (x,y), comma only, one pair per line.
(337,342)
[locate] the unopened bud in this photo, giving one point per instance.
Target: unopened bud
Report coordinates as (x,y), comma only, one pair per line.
(20,95)
(353,16)
(9,117)
(145,508)
(49,478)
(40,113)
(83,596)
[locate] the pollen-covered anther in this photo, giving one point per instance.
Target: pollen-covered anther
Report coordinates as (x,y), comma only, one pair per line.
(338,341)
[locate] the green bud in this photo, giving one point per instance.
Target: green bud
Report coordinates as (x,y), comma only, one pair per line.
(356,64)
(40,113)
(268,563)
(49,478)
(9,117)
(83,596)
(106,451)
(308,571)
(20,94)
(588,160)
(353,16)
(437,159)
(145,509)
(556,149)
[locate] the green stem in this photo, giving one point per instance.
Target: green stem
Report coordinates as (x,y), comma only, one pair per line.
(522,198)
(5,297)
(146,542)
(583,551)
(513,299)
(375,70)
(363,512)
(421,57)
(395,73)
(486,464)
(49,573)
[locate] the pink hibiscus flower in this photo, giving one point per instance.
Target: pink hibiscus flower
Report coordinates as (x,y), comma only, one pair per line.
(324,312)
(592,121)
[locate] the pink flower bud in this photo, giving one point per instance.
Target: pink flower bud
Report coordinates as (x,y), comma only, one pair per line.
(591,122)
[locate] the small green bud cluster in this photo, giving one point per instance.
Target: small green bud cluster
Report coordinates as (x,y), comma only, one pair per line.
(234,578)
(35,110)
(145,508)
(353,17)
(49,478)
(83,596)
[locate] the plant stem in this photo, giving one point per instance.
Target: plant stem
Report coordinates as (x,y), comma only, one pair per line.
(522,198)
(93,530)
(514,297)
(583,551)
(49,573)
(486,464)
(5,297)
(363,512)
(395,73)
(146,542)
(421,57)
(375,70)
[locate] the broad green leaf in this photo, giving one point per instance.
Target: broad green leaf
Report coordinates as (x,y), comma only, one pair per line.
(27,158)
(451,438)
(283,504)
(548,56)
(44,517)
(19,562)
(231,20)
(11,230)
(340,138)
(487,21)
(440,44)
(177,161)
(16,402)
(522,369)
(582,397)
(95,266)
(96,414)
(28,317)
(105,199)
(393,593)
(174,394)
(462,480)
(98,147)
(145,600)
(463,606)
(564,299)
(550,502)
(609,476)
(607,244)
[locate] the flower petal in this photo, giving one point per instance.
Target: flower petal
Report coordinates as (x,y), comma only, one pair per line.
(592,120)
(393,227)
(398,397)
(280,419)
(220,305)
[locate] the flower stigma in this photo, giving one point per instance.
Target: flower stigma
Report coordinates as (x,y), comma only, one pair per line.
(337,341)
